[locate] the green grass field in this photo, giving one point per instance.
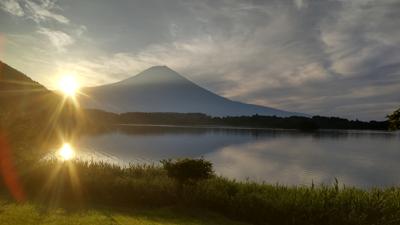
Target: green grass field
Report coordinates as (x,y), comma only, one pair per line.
(23,214)
(149,196)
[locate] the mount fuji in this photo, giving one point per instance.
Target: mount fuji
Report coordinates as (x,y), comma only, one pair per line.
(160,89)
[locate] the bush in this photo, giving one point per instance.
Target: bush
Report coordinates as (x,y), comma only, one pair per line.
(188,170)
(394,120)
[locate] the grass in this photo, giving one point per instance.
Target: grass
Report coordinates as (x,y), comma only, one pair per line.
(77,185)
(21,214)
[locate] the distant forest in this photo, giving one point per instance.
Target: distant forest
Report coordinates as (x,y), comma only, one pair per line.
(256,121)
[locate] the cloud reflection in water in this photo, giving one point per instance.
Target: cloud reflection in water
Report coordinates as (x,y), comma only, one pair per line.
(354,160)
(274,156)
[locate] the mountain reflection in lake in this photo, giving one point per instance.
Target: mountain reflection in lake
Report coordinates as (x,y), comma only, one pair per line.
(361,158)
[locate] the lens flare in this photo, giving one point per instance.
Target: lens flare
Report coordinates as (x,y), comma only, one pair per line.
(66,152)
(68,85)
(8,172)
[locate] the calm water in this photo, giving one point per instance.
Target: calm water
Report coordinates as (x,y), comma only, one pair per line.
(361,158)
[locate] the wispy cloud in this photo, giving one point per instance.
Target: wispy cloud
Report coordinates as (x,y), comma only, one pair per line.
(43,11)
(300,4)
(12,6)
(39,11)
(59,39)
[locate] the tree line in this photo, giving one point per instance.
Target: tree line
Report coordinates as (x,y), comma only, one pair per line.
(257,121)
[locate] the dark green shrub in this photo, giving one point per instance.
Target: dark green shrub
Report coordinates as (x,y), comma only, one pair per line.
(188,170)
(394,120)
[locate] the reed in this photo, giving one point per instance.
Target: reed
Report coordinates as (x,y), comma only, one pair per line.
(77,183)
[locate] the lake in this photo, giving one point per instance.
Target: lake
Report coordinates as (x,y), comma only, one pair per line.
(355,158)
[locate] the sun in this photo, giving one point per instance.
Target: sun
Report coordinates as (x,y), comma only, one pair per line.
(68,85)
(66,152)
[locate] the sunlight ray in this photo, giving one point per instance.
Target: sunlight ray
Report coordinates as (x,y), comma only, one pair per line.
(22,91)
(26,83)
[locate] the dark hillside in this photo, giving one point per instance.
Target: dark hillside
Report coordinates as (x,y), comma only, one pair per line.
(28,116)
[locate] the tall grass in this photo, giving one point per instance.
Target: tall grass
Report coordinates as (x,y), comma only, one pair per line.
(79,183)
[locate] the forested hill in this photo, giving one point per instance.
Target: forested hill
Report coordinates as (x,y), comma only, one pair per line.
(256,121)
(29,113)
(11,79)
(20,95)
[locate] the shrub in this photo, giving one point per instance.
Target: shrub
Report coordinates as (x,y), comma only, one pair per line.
(394,120)
(188,170)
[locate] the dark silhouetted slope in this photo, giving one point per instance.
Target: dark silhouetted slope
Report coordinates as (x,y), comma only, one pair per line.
(19,94)
(31,116)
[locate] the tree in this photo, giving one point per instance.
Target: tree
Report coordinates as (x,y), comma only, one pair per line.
(394,120)
(188,170)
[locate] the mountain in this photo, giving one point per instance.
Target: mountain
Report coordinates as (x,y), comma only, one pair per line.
(23,100)
(31,115)
(19,94)
(27,113)
(160,89)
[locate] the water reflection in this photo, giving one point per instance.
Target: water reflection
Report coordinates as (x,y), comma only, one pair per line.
(307,160)
(275,156)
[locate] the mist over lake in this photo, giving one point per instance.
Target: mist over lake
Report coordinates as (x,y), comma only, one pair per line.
(359,158)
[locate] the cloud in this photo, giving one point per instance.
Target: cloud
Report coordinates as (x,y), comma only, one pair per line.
(321,57)
(237,61)
(12,6)
(38,11)
(59,39)
(361,36)
(300,4)
(42,11)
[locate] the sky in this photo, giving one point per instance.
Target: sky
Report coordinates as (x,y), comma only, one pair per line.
(321,57)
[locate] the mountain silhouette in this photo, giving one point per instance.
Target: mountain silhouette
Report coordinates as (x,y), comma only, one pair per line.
(19,94)
(160,89)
